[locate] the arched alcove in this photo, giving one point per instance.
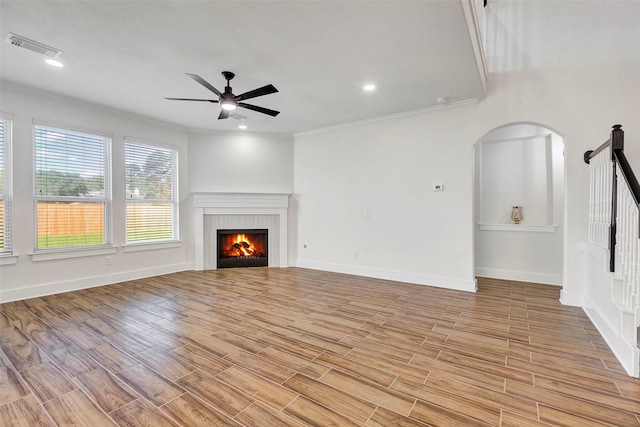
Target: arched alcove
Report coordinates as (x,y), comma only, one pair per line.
(520,164)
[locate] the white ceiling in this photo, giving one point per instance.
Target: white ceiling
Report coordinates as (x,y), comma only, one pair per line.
(129,55)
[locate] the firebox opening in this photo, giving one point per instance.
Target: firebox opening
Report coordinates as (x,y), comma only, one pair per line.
(242,248)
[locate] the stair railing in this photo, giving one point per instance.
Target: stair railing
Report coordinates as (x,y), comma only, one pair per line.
(614,212)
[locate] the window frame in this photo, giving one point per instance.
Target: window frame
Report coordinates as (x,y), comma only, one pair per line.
(42,254)
(6,197)
(150,244)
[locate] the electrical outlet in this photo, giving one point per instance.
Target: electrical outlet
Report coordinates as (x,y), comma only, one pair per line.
(108,260)
(355,254)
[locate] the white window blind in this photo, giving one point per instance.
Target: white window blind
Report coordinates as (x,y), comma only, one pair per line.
(5,186)
(151,190)
(72,188)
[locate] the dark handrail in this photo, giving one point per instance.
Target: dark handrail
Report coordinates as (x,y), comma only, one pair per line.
(588,155)
(618,156)
(629,176)
(616,143)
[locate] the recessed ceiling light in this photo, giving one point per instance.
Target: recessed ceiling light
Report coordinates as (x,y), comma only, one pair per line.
(242,126)
(369,87)
(54,63)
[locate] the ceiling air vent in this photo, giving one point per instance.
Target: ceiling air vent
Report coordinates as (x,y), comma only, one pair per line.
(34,46)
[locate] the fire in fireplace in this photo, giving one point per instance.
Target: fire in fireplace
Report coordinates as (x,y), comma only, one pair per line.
(242,248)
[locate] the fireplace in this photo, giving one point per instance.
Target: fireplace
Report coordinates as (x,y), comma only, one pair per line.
(242,248)
(230,211)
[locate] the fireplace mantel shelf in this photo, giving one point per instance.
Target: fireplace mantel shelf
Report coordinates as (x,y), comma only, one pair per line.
(237,205)
(236,200)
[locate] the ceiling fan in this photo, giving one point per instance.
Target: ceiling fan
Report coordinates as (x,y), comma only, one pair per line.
(228,101)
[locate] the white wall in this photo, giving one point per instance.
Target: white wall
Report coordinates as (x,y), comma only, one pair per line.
(520,164)
(27,278)
(237,162)
(389,166)
(241,162)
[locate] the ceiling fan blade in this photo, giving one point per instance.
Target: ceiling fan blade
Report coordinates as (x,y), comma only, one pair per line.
(204,83)
(192,99)
(259,109)
(264,90)
(224,114)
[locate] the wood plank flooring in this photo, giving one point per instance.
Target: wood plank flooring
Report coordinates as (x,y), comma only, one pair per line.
(295,347)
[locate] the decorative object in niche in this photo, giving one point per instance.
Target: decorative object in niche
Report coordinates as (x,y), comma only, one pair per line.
(516,214)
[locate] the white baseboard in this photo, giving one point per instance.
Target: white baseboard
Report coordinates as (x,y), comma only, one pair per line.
(88,282)
(520,276)
(627,354)
(399,276)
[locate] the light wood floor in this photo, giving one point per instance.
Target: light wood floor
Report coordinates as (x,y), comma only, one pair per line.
(293,347)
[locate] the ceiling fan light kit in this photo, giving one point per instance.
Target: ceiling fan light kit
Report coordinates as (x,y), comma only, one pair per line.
(228,105)
(228,101)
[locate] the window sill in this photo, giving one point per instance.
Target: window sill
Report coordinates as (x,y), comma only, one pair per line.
(71,253)
(8,259)
(519,227)
(151,246)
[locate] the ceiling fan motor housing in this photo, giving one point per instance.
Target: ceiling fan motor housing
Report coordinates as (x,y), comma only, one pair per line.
(228,101)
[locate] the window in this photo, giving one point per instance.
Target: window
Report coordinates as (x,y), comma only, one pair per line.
(152,193)
(5,186)
(72,188)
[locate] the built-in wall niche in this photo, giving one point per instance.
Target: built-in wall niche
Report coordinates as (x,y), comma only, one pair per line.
(517,166)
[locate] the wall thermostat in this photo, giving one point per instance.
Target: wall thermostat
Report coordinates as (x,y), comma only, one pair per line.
(438,187)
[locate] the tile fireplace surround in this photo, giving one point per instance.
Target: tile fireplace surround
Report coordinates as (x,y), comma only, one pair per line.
(215,211)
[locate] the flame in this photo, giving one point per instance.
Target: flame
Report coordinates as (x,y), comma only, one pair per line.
(243,246)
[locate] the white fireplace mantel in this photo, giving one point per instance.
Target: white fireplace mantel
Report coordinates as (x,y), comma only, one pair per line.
(238,204)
